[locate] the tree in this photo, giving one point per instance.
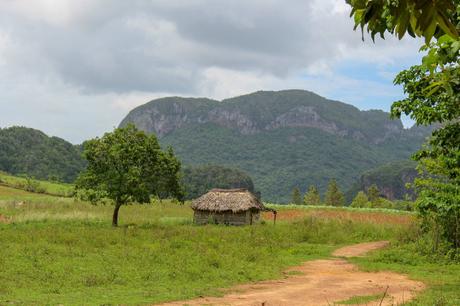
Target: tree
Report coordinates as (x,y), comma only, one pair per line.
(417,18)
(312,197)
(127,166)
(373,193)
(333,194)
(296,199)
(361,200)
(433,97)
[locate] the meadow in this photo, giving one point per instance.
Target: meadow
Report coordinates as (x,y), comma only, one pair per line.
(36,186)
(55,250)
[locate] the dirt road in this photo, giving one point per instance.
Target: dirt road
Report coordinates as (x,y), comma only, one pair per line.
(321,282)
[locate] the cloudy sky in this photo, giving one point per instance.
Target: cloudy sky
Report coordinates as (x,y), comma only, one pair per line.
(74,68)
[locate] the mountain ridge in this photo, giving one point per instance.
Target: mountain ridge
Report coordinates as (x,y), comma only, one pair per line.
(282,139)
(232,113)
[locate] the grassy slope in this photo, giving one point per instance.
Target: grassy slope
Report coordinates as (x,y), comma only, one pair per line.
(55,250)
(50,188)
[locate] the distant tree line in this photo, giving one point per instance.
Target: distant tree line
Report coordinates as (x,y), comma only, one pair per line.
(370,198)
(333,196)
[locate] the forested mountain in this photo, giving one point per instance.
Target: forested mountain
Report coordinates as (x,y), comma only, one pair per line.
(33,153)
(281,139)
(390,178)
(197,180)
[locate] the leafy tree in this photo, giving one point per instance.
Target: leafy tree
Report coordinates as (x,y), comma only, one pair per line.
(433,97)
(361,200)
(333,195)
(128,166)
(312,197)
(373,193)
(296,198)
(417,18)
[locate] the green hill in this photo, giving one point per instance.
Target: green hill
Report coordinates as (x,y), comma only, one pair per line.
(281,139)
(200,179)
(33,153)
(390,178)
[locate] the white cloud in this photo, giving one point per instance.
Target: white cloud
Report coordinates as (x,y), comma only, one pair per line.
(75,67)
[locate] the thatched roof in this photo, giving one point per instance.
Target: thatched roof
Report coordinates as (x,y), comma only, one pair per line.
(235,200)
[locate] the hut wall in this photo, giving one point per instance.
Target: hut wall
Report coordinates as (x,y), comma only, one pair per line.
(228,217)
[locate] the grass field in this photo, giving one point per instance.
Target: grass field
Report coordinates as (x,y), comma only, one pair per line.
(58,251)
(38,186)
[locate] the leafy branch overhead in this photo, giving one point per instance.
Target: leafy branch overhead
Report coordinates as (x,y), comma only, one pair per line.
(418,18)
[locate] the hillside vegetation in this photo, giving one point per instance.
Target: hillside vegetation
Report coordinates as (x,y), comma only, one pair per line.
(282,139)
(391,179)
(200,179)
(31,152)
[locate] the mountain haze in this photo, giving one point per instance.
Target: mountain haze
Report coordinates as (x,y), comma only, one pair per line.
(282,139)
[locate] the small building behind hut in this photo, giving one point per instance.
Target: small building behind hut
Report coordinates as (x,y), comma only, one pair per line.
(227,206)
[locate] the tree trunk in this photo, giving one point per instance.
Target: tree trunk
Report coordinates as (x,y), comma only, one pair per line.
(115,215)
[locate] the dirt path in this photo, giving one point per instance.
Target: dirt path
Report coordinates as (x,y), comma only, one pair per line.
(321,282)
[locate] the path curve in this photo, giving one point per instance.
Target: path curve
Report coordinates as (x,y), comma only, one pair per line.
(321,282)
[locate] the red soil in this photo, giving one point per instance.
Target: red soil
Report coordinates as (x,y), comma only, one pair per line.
(321,282)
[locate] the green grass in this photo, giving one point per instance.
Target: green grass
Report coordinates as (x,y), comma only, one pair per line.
(360,299)
(67,252)
(60,251)
(45,187)
(441,276)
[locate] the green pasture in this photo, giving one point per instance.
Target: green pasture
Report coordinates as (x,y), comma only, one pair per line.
(56,250)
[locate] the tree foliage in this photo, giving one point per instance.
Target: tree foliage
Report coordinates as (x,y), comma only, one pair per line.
(373,193)
(414,17)
(334,196)
(433,97)
(127,166)
(296,198)
(312,197)
(361,200)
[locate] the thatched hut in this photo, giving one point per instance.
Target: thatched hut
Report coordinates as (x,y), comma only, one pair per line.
(227,206)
